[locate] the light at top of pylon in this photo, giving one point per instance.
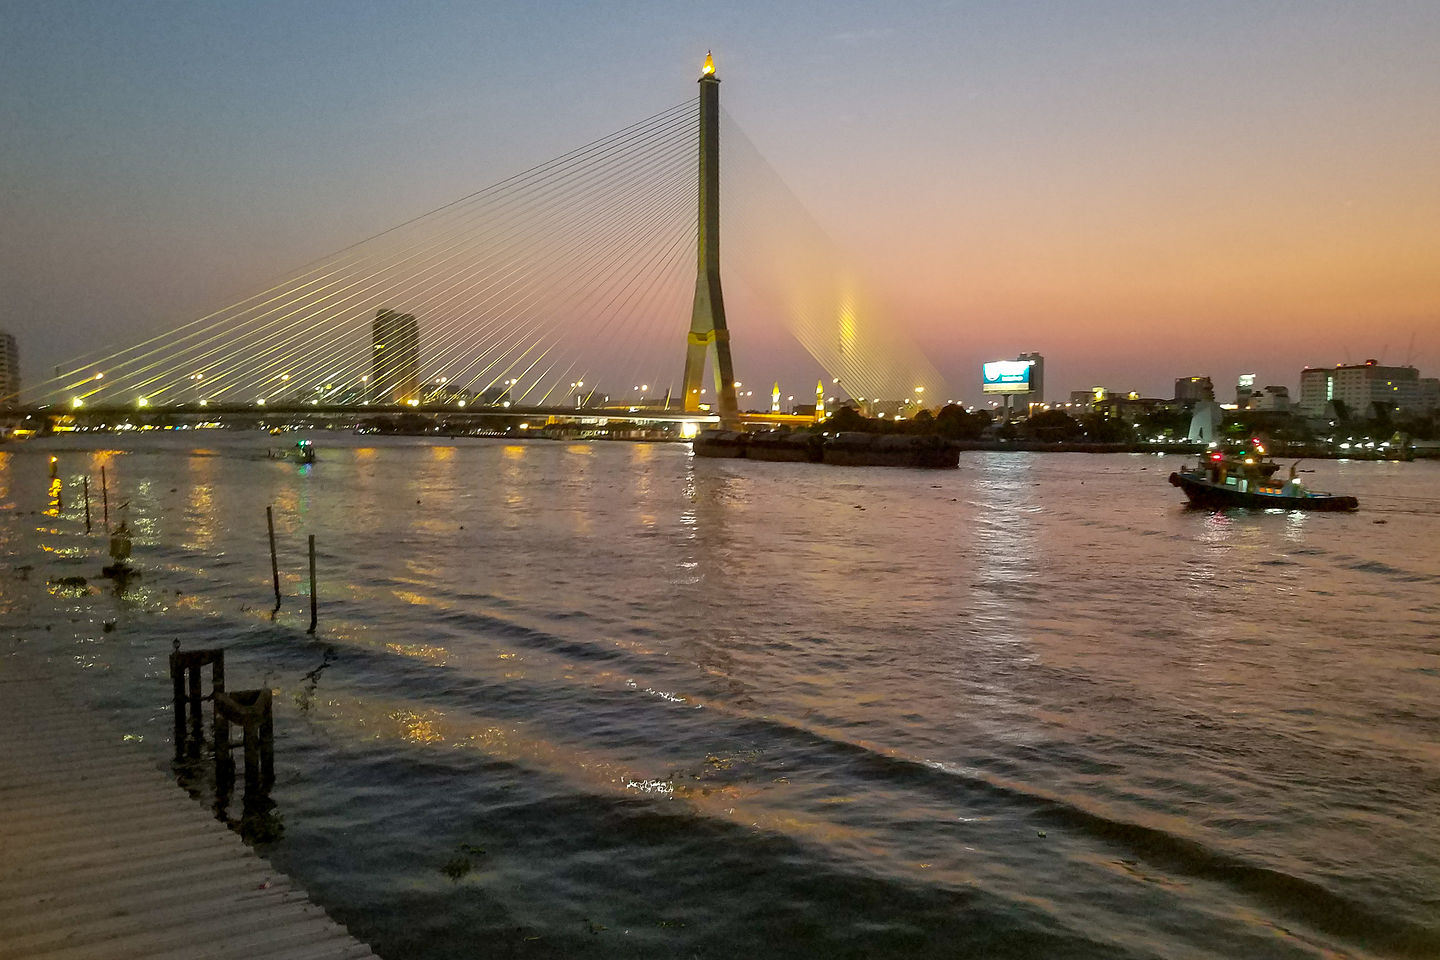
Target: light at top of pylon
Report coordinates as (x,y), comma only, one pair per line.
(709,68)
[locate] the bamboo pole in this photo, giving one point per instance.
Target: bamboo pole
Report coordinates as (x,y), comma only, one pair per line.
(274,565)
(312,584)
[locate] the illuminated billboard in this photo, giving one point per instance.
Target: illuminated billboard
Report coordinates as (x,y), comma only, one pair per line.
(1008,376)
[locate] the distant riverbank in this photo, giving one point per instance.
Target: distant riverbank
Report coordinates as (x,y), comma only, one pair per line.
(1278,450)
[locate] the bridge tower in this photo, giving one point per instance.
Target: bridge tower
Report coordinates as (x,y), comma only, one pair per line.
(707,316)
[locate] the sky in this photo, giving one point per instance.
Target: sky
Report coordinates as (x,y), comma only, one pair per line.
(1137,190)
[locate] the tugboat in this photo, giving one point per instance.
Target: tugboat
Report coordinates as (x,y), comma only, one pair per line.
(1247,479)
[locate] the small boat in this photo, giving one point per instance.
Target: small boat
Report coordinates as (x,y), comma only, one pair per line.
(302,452)
(1247,479)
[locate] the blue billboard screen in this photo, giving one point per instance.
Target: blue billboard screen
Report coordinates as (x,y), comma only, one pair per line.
(1007,376)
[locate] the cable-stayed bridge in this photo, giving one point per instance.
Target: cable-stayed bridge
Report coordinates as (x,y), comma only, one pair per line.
(562,287)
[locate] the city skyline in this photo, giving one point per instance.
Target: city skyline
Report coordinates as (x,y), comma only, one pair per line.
(1139,192)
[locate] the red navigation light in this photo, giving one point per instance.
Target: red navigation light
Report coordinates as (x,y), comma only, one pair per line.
(1214,456)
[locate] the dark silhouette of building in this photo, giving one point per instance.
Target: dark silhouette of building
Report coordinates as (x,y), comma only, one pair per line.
(9,370)
(1037,376)
(1194,389)
(395,357)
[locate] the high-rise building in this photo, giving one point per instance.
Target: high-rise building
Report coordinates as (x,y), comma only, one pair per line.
(1272,398)
(1428,396)
(1037,376)
(395,357)
(1358,387)
(9,370)
(1244,388)
(1194,389)
(1317,389)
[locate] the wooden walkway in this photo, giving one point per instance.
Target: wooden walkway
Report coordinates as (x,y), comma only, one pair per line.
(102,856)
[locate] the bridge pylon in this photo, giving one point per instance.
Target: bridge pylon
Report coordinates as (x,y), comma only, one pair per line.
(707,316)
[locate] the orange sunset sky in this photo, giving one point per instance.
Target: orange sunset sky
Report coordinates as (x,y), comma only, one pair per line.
(1139,191)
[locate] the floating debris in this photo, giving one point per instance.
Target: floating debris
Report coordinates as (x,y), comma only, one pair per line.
(461,864)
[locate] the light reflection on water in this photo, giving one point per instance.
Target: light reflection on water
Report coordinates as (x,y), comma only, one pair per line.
(788,709)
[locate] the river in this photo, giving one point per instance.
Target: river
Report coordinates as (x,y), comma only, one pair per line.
(610,700)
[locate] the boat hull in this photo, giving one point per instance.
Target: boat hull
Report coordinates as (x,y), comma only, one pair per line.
(1202,493)
(846,449)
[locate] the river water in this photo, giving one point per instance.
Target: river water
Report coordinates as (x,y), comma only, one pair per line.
(610,700)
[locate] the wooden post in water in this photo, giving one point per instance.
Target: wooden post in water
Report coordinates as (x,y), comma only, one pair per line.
(177,682)
(312,584)
(185,667)
(105,497)
(87,503)
(252,710)
(197,729)
(274,565)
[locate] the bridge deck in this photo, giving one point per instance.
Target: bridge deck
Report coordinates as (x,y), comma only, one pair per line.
(101,857)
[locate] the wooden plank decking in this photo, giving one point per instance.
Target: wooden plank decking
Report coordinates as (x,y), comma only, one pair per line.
(101,856)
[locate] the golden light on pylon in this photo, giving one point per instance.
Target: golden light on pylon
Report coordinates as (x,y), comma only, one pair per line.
(709,68)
